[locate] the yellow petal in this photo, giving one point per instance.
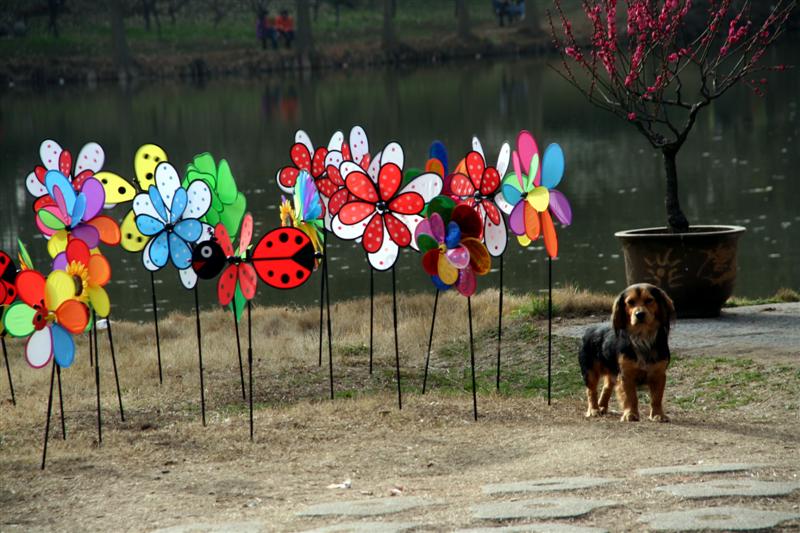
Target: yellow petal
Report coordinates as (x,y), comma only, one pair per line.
(539,198)
(145,162)
(100,302)
(523,240)
(447,272)
(57,243)
(59,288)
(117,188)
(132,239)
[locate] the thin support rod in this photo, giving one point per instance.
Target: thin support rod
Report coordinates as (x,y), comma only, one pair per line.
(155,321)
(114,363)
(323,279)
(472,360)
(8,371)
(250,364)
(371,314)
(49,411)
(328,310)
(499,323)
(93,340)
(200,354)
(430,342)
(549,325)
(61,402)
(396,343)
(239,351)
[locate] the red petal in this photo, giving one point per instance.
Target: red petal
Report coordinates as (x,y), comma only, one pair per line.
(247,280)
(107,228)
(77,181)
(346,156)
(361,186)
(318,164)
(492,212)
(398,231)
(224,240)
(373,234)
(354,212)
(468,220)
(430,262)
(65,163)
(40,171)
(461,185)
(491,181)
(300,156)
(77,250)
(226,286)
(365,160)
(475,166)
(326,187)
(389,180)
(288,177)
(30,287)
(42,202)
(335,176)
(409,203)
(338,199)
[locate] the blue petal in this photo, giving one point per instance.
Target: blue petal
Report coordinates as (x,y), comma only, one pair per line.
(438,151)
(78,210)
(63,346)
(159,249)
(55,180)
(439,284)
(453,236)
(180,252)
(149,225)
(179,202)
(552,166)
(190,229)
(511,194)
(158,203)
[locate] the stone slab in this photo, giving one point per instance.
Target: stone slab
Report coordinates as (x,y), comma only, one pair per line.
(222,527)
(547,484)
(540,527)
(538,508)
(368,507)
(366,527)
(716,518)
(730,487)
(697,469)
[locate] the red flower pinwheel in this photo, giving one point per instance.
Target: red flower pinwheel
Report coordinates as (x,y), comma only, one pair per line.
(382,214)
(331,186)
(304,157)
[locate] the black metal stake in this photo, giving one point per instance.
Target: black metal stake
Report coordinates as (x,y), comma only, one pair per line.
(49,411)
(250,365)
(239,351)
(549,323)
(91,350)
(114,363)
(328,308)
(500,323)
(155,321)
(371,314)
(396,343)
(93,340)
(472,360)
(8,370)
(200,354)
(323,280)
(430,342)
(61,402)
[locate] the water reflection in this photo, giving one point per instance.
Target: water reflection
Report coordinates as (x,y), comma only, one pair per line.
(736,167)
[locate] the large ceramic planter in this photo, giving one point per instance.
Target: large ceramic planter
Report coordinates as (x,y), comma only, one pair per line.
(696,268)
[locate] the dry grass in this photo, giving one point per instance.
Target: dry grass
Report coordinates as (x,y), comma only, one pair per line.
(569,302)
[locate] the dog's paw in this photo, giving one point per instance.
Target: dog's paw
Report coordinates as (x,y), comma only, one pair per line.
(659,418)
(603,410)
(592,413)
(629,416)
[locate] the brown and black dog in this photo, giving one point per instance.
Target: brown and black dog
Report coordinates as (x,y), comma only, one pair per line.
(631,351)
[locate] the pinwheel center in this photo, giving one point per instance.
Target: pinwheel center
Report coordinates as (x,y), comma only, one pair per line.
(479,197)
(381,207)
(80,277)
(169,226)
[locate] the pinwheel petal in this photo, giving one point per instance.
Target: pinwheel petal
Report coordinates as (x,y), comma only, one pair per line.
(179,202)
(478,147)
(458,257)
(532,224)
(349,232)
(73,316)
(539,198)
(526,147)
(156,203)
(386,256)
(95,198)
(373,235)
(397,230)
(180,252)
(117,189)
(452,235)
(49,152)
(516,220)
(60,190)
(335,142)
(148,225)
(248,280)
(389,180)
(392,154)
(430,262)
(443,206)
(428,185)
(358,183)
(518,172)
(466,284)
(475,167)
(60,261)
(49,219)
(226,285)
(533,178)
(426,242)
(18,319)
(91,157)
(338,199)
(226,184)
(199,200)
(168,181)
(143,205)
(479,259)
(188,278)
(549,234)
(87,233)
(503,204)
(301,141)
(189,229)
(132,238)
(35,187)
(559,206)
(439,151)
(437,227)
(495,237)
(461,185)
(246,234)
(439,284)
(359,145)
(552,166)
(523,240)
(30,286)
(77,250)
(157,251)
(446,271)
(59,288)
(409,203)
(147,157)
(355,212)
(63,346)
(503,158)
(99,270)
(107,228)
(78,209)
(468,220)
(286,178)
(511,191)
(39,348)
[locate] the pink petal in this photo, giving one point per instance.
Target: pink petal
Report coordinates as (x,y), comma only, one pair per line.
(466,283)
(526,146)
(437,227)
(458,257)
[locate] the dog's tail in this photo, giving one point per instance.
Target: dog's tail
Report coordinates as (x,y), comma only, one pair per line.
(591,351)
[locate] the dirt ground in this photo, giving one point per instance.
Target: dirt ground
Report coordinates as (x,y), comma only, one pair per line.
(162,468)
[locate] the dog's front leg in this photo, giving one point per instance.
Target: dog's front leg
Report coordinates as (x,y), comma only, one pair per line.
(657,380)
(626,390)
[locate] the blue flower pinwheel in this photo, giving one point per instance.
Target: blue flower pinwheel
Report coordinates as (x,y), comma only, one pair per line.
(170,215)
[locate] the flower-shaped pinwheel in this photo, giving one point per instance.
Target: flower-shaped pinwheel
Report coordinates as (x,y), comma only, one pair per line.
(450,241)
(170,216)
(477,187)
(227,203)
(8,274)
(91,273)
(304,159)
(305,211)
(382,214)
(529,193)
(49,313)
(75,214)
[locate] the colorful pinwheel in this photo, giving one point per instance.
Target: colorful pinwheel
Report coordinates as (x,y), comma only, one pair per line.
(305,211)
(170,216)
(304,159)
(8,274)
(91,272)
(382,214)
(477,185)
(331,185)
(528,193)
(450,241)
(49,313)
(228,205)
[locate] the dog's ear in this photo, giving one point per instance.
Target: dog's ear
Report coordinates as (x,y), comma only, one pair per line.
(666,308)
(619,315)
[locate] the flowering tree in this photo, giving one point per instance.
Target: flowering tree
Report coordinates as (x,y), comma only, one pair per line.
(657,74)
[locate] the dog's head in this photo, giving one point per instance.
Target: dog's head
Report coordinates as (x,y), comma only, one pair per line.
(642,308)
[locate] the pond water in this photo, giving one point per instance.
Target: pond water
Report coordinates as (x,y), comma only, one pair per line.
(737,167)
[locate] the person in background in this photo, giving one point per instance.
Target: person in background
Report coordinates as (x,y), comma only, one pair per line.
(265,30)
(284,24)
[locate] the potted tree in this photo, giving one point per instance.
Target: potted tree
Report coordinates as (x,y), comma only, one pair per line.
(671,59)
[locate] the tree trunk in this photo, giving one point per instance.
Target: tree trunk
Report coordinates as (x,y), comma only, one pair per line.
(389,37)
(676,220)
(122,54)
(532,21)
(305,40)
(462,13)
(52,11)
